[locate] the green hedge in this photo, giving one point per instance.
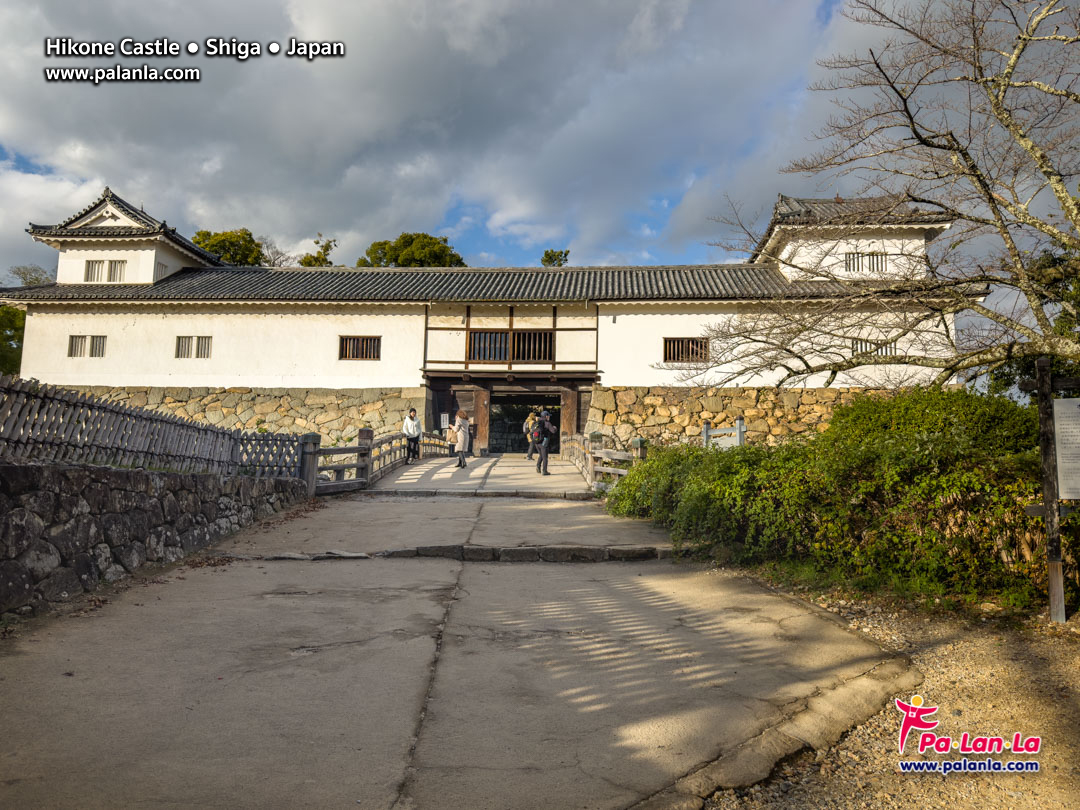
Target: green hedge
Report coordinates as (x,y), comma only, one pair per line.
(921,491)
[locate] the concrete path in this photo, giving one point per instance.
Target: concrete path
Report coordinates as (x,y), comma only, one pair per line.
(448,526)
(426,683)
(504,475)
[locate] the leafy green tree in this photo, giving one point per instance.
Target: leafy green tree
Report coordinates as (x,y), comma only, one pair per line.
(12,323)
(555,258)
(237,247)
(412,250)
(1058,272)
(30,275)
(321,256)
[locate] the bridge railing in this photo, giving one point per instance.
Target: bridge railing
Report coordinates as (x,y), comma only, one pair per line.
(724,437)
(600,467)
(365,462)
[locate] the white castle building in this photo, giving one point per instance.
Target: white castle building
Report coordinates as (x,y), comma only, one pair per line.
(138,306)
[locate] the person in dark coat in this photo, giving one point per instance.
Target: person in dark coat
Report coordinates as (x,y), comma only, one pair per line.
(543,441)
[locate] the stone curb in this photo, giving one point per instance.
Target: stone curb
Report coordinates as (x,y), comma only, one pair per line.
(552,554)
(822,720)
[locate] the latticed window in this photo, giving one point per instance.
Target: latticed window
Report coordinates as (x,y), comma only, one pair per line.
(489,346)
(116,271)
(77,346)
(889,349)
(534,346)
(97,345)
(359,348)
(686,350)
(186,343)
(866,262)
(95,270)
(517,346)
(875,262)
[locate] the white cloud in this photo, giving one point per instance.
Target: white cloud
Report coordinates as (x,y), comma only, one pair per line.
(550,122)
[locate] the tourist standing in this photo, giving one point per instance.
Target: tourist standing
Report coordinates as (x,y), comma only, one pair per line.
(412,430)
(527,429)
(461,427)
(541,433)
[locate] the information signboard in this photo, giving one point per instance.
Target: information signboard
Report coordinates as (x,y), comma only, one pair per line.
(1067,444)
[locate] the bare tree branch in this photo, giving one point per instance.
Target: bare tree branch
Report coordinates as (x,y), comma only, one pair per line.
(970,110)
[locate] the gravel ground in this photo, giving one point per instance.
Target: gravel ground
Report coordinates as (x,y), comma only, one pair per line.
(988,671)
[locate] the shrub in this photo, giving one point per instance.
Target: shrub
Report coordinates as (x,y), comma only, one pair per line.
(923,491)
(998,425)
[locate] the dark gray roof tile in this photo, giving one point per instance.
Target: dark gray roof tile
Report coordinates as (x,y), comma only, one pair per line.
(148,226)
(680,283)
(838,211)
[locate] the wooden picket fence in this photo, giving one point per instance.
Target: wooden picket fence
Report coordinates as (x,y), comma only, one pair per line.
(47,423)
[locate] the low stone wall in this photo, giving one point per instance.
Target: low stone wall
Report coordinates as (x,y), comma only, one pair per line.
(674,415)
(335,414)
(63,529)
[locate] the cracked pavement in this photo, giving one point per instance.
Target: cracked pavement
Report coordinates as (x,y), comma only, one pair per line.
(428,682)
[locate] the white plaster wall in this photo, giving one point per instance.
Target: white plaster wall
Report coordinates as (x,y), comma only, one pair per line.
(173,260)
(140,258)
(823,255)
(576,347)
(445,346)
(631,339)
(253,348)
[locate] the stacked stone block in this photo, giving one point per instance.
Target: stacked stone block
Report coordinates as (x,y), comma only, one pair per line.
(64,529)
(672,415)
(337,415)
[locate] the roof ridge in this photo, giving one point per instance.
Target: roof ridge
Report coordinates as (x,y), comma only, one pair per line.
(109,196)
(147,225)
(554,272)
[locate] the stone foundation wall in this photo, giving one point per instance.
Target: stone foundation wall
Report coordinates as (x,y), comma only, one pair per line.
(674,415)
(63,529)
(335,414)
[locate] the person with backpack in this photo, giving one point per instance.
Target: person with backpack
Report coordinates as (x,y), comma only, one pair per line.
(541,436)
(527,429)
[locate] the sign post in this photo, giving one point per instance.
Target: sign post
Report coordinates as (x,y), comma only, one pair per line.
(1060,466)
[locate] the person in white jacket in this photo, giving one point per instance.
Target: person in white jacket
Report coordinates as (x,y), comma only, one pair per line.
(412,430)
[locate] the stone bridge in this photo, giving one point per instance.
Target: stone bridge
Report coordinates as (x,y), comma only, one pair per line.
(453,639)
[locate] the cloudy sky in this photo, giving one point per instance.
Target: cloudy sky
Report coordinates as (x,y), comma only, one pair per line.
(612,127)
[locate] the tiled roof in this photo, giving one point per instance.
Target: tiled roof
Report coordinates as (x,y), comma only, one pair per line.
(837,211)
(148,226)
(686,283)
